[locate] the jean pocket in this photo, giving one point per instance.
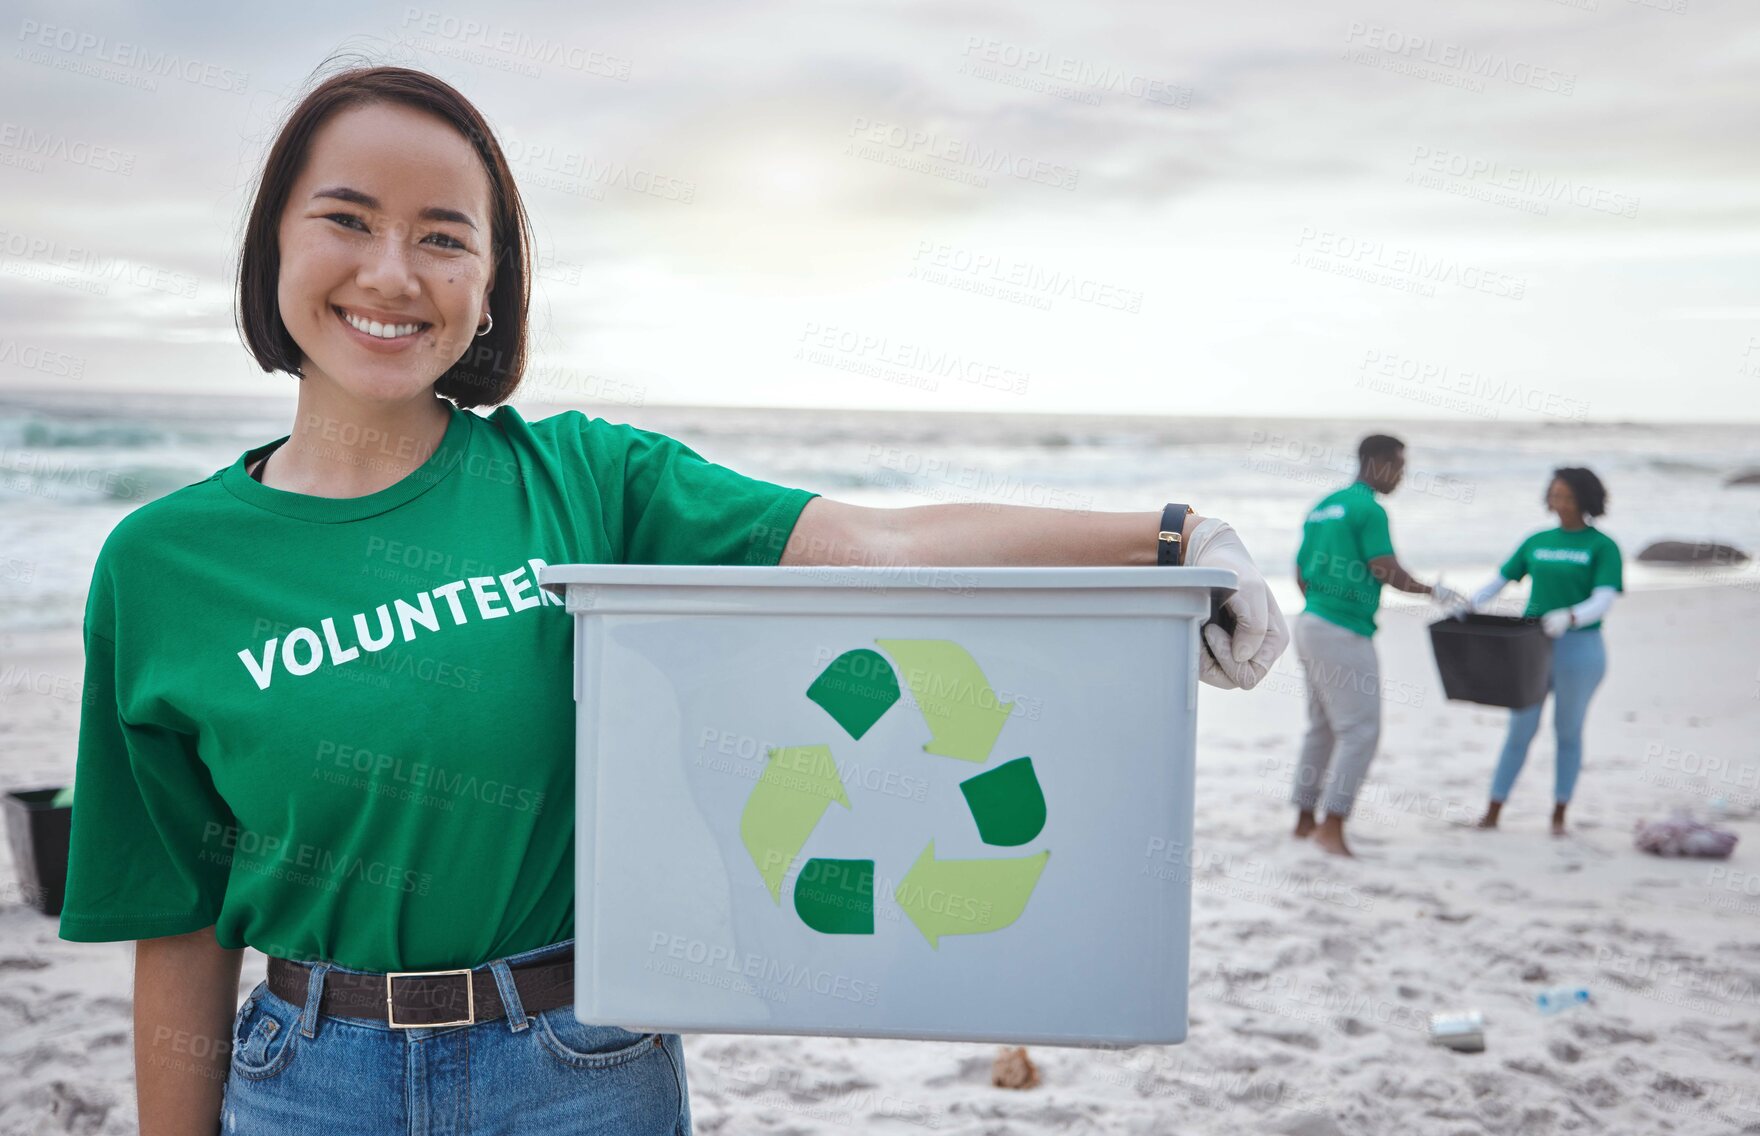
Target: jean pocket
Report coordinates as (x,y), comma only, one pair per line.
(262,1035)
(590,1046)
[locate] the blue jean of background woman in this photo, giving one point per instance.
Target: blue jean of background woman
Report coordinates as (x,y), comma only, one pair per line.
(296,1071)
(1579,661)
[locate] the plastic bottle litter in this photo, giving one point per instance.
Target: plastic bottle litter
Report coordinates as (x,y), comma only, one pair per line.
(1561,998)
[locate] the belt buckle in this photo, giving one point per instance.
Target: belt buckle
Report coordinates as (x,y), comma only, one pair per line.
(470,999)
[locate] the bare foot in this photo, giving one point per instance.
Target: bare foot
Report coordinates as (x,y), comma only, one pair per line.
(1304,823)
(1492,810)
(1329,836)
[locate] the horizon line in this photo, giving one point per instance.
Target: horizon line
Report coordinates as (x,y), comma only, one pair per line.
(292,396)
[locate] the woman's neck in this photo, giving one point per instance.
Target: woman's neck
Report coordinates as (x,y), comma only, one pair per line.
(341,446)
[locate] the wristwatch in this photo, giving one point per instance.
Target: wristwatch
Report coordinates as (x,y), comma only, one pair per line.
(1170,547)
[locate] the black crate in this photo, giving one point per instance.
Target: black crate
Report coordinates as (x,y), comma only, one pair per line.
(38,833)
(1494,660)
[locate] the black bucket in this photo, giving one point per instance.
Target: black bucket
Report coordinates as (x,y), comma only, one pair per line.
(1494,660)
(39,834)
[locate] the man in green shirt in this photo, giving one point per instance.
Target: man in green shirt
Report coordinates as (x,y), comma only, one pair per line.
(1345,556)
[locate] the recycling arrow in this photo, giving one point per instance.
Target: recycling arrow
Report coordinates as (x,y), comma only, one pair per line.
(958,706)
(835,895)
(967,897)
(797,786)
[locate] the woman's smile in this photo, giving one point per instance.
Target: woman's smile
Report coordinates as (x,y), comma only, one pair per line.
(383,337)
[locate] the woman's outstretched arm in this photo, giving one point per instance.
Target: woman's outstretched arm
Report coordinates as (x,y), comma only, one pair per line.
(837,533)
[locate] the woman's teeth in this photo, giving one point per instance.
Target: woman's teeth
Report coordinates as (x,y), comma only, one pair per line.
(380,330)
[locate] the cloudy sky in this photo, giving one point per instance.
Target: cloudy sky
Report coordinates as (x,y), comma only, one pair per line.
(1542,208)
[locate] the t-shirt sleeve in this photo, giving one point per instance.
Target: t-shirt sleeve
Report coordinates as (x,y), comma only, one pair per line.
(677,507)
(1374,536)
(1608,571)
(147,855)
(1516,566)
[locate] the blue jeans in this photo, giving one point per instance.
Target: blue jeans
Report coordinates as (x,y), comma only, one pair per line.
(1579,660)
(294,1070)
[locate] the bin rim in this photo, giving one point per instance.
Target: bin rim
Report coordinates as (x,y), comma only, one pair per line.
(1488,619)
(19,795)
(556,577)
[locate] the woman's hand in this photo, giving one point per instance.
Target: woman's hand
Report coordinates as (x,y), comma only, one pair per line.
(1556,622)
(1260,635)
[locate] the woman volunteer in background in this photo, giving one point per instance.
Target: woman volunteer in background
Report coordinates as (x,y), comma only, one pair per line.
(1576,573)
(329,714)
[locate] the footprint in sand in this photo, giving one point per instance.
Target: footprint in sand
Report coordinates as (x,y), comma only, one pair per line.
(1296,1038)
(23,963)
(1564,1051)
(971,1070)
(1597,1034)
(1455,859)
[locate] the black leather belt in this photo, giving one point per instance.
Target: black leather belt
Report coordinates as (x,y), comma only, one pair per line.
(411,999)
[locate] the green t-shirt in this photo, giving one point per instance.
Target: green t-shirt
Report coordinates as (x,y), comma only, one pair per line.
(1566,565)
(344,729)
(1342,534)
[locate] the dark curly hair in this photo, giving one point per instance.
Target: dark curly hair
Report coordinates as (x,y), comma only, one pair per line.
(1591,495)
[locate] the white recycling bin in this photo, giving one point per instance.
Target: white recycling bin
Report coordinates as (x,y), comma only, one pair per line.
(936,803)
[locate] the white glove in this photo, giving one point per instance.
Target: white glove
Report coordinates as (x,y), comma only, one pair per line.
(1556,622)
(1454,604)
(1260,634)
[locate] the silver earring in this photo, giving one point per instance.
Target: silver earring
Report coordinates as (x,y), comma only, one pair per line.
(491,318)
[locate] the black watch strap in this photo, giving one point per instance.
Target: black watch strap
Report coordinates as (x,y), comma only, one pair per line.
(1170,545)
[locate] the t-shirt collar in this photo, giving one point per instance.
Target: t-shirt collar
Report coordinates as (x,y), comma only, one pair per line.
(329,510)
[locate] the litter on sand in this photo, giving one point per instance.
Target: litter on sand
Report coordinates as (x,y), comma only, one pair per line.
(1681,835)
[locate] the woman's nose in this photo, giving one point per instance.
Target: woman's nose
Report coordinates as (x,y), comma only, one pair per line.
(386,265)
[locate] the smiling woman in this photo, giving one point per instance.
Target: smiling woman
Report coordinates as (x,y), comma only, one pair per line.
(387,196)
(385,266)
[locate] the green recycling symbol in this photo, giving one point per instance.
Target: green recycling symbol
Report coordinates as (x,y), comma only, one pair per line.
(799,783)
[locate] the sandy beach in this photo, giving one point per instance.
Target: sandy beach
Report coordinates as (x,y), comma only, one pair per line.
(1312,978)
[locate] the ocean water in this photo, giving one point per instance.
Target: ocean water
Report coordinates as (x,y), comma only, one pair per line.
(70,468)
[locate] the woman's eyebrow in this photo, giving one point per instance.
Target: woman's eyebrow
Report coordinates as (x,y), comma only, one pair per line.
(368,201)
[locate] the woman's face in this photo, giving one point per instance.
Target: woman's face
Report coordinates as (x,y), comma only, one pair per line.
(1561,500)
(389,220)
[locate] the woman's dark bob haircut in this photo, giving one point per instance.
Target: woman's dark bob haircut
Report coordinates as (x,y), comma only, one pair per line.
(491,367)
(1591,495)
